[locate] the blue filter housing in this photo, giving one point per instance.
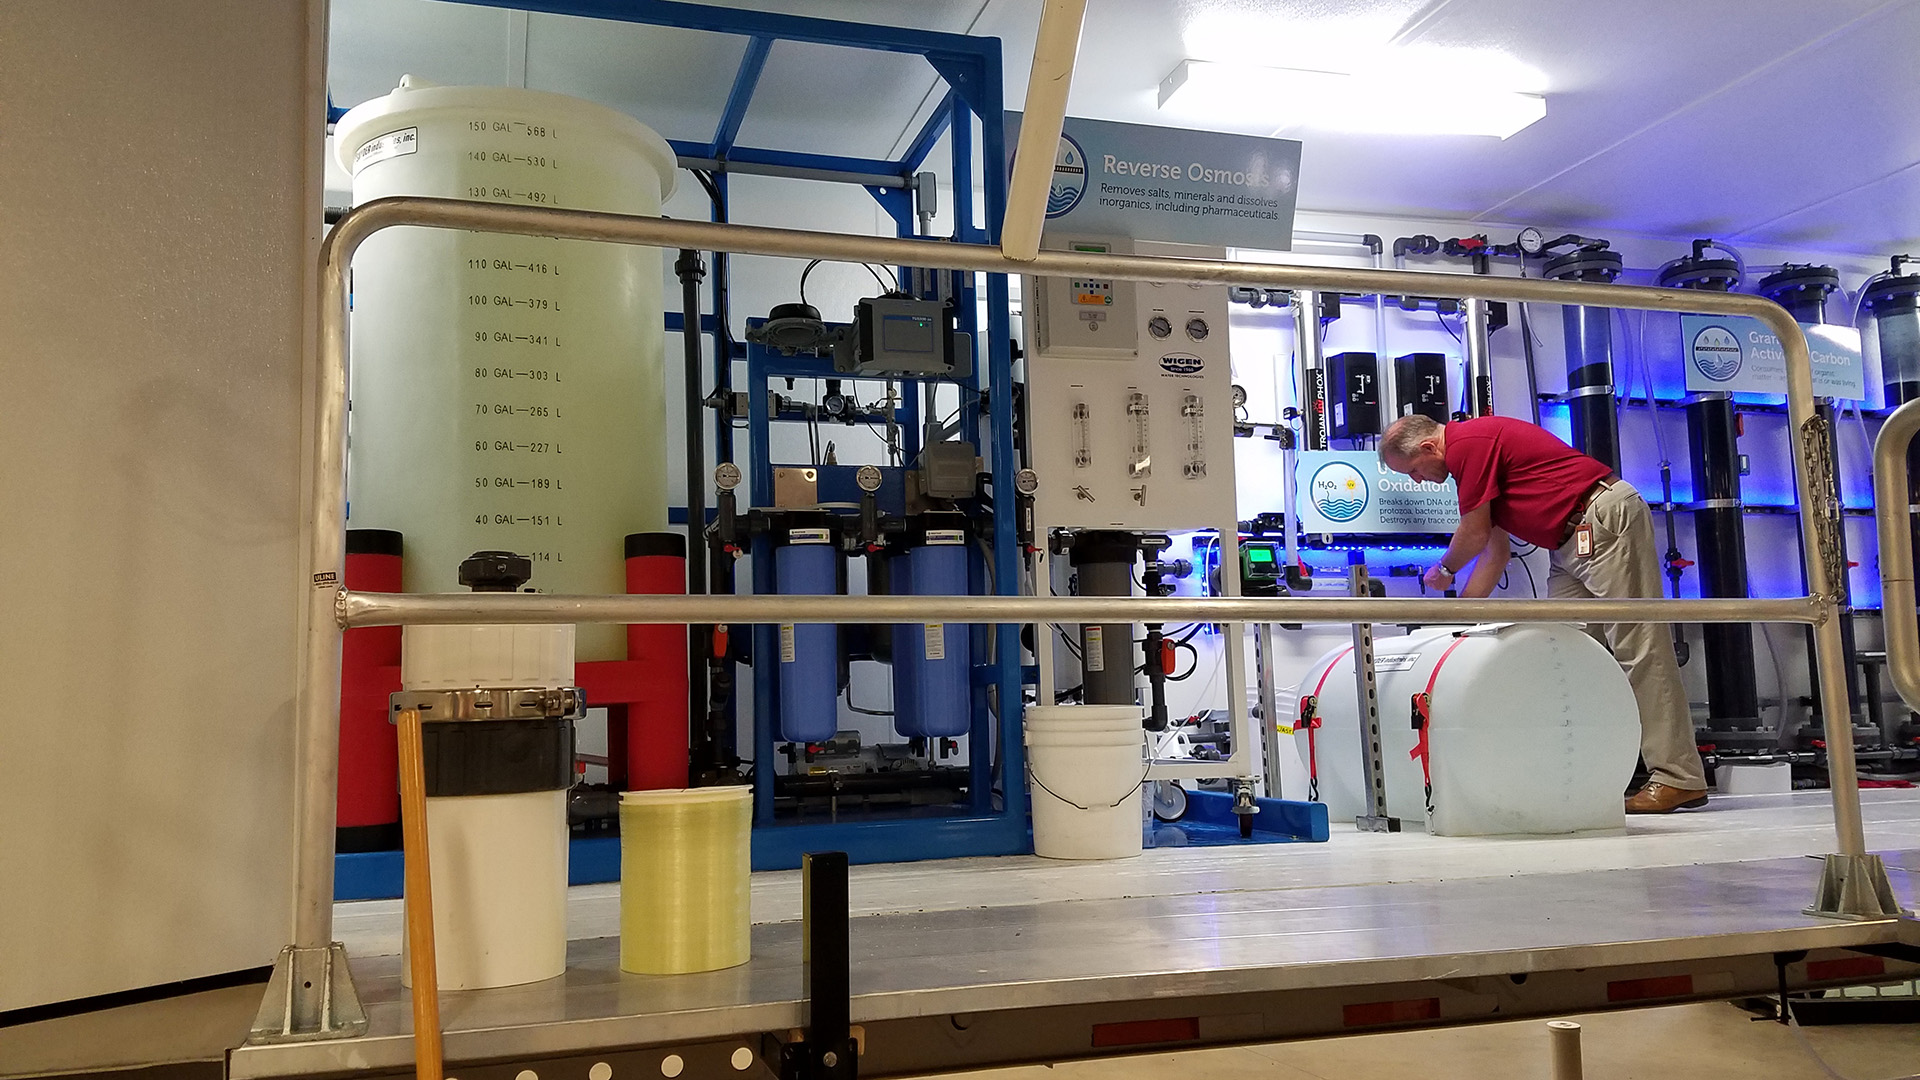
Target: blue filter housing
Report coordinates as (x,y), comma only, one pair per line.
(936,657)
(906,681)
(808,564)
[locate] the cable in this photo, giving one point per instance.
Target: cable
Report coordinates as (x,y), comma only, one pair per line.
(803,278)
(861,711)
(885,285)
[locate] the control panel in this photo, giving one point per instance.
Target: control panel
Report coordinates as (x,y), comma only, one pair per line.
(1131,399)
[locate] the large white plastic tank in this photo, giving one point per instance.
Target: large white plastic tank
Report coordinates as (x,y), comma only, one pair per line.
(507,391)
(1534,730)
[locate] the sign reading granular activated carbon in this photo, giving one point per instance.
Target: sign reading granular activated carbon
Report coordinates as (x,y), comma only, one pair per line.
(1738,353)
(1188,187)
(1350,491)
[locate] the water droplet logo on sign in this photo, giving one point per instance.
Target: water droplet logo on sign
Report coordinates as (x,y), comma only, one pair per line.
(1069,177)
(1338,491)
(1716,353)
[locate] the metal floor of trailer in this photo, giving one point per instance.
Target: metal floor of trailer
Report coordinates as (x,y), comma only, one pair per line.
(978,962)
(996,961)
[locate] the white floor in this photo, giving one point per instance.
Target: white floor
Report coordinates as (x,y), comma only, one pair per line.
(1729,829)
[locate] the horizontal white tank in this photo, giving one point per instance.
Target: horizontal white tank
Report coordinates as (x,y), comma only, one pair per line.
(1533,729)
(507,390)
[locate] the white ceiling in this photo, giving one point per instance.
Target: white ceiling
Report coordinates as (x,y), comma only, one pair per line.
(1790,123)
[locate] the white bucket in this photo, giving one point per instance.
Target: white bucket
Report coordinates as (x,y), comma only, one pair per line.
(1114,718)
(1086,782)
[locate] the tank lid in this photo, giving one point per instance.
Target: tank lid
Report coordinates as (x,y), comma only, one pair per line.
(1590,264)
(1892,291)
(1792,278)
(414,96)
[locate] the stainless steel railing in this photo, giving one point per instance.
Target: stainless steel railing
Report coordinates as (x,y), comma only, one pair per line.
(1893,517)
(330,609)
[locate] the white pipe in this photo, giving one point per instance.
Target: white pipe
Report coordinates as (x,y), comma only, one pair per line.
(1565,1036)
(1046,111)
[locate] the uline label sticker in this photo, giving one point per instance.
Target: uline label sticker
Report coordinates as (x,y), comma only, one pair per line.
(786,643)
(325,579)
(392,144)
(936,641)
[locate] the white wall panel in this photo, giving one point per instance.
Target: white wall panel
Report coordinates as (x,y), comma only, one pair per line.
(161,198)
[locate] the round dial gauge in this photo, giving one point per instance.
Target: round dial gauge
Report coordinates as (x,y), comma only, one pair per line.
(727,476)
(1239,395)
(1159,327)
(1197,328)
(868,477)
(1026,481)
(1532,240)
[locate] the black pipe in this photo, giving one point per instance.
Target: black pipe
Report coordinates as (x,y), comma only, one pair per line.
(1589,335)
(1104,563)
(815,785)
(1719,523)
(1803,291)
(704,740)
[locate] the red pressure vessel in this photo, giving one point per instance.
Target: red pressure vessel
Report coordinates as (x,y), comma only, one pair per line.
(368,812)
(656,741)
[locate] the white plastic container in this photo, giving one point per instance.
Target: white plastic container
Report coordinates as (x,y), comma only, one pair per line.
(1533,730)
(507,391)
(1774,778)
(1087,763)
(499,862)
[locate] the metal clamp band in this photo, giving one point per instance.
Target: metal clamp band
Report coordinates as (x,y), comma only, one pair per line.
(517,703)
(1705,397)
(1587,391)
(1712,504)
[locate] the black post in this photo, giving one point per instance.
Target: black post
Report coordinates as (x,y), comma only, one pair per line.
(691,272)
(830,1050)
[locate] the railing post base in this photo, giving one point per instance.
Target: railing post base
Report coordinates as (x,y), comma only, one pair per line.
(1855,887)
(310,996)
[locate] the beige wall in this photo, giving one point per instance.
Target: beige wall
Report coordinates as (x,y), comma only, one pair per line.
(159,211)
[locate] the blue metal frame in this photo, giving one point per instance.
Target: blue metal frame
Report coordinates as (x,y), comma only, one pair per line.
(971,67)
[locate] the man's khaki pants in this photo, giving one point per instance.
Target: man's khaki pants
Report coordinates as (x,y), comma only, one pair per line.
(1623,564)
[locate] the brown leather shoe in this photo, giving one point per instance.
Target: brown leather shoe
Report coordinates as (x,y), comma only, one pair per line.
(1658,798)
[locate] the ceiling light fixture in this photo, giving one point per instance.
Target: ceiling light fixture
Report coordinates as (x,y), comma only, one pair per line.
(1387,100)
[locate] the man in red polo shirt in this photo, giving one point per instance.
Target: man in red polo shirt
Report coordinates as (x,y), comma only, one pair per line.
(1517,479)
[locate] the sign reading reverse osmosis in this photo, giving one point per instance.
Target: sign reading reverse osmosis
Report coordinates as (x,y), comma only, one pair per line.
(1350,491)
(1737,352)
(1188,187)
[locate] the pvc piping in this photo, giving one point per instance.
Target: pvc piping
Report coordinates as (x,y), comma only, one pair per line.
(426,609)
(317,709)
(1046,110)
(1565,1037)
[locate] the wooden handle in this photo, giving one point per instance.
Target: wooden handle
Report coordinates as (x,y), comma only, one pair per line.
(427,1063)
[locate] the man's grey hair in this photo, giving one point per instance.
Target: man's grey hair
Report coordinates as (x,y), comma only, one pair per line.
(1404,436)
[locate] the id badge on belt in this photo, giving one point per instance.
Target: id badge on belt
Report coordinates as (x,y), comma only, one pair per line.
(1583,540)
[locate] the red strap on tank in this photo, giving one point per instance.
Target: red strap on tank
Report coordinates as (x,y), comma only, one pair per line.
(1310,719)
(1422,717)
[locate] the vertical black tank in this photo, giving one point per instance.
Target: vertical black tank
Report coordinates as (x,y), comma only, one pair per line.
(1803,291)
(1589,332)
(1719,523)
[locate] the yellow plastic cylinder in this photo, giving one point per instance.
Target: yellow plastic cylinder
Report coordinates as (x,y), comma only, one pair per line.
(685,857)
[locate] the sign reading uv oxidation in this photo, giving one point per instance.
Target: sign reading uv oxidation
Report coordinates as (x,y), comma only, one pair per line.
(1737,352)
(1350,491)
(1187,187)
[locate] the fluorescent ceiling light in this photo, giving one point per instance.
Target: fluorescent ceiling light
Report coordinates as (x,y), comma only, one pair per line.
(1382,101)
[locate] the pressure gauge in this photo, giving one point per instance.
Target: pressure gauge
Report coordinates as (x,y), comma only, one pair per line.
(1532,240)
(1026,481)
(727,476)
(1159,327)
(1197,328)
(868,477)
(1239,396)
